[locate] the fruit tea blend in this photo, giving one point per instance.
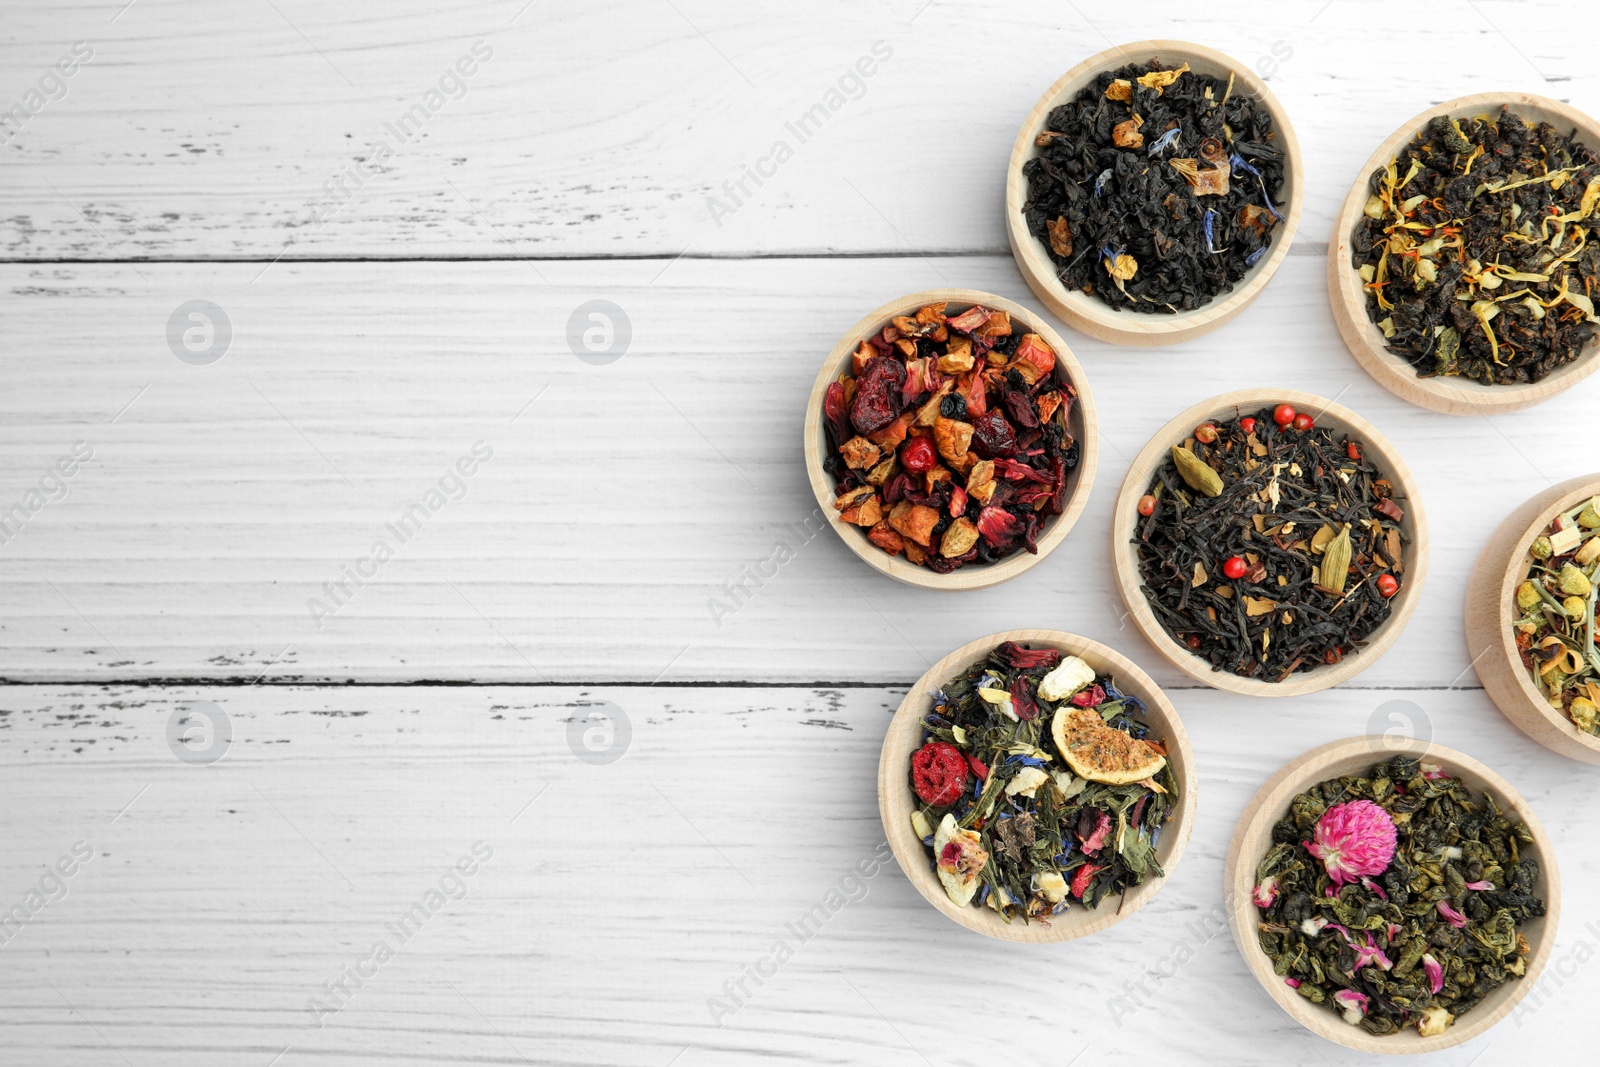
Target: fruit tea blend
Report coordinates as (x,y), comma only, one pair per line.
(1394,898)
(948,440)
(1269,545)
(1039,786)
(1555,626)
(1155,190)
(1476,249)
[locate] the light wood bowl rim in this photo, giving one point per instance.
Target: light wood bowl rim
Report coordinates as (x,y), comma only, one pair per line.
(1126,564)
(1452,396)
(1500,569)
(1331,761)
(1082,420)
(896,800)
(1087,313)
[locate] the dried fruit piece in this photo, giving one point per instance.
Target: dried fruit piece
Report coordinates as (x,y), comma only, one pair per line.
(953,437)
(959,538)
(859,453)
(915,522)
(1099,752)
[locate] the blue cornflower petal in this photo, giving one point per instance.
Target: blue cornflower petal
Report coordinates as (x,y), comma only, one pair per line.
(1166,140)
(1250,260)
(1206,222)
(1100,182)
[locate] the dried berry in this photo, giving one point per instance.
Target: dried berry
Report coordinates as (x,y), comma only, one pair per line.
(938,773)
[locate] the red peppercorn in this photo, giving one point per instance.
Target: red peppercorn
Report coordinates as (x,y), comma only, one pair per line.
(1333,655)
(1388,585)
(1235,567)
(1147,505)
(1193,641)
(1303,422)
(1283,414)
(918,456)
(1248,425)
(1205,433)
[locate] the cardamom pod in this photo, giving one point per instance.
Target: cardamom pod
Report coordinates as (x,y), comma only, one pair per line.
(1194,470)
(1335,568)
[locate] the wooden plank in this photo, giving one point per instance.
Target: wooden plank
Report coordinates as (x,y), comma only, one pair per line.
(617,509)
(607,129)
(221,898)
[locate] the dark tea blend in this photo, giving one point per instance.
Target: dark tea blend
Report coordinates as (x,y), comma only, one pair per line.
(1269,545)
(1475,249)
(1155,189)
(1040,786)
(1394,898)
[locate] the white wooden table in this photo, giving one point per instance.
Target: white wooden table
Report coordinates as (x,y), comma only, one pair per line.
(391,309)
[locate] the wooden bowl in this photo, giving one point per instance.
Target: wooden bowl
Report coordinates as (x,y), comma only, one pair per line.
(1253,837)
(1341,419)
(1080,421)
(896,801)
(1490,592)
(1087,313)
(1453,396)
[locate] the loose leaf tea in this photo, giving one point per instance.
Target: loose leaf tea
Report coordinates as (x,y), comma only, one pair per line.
(1269,545)
(1039,786)
(1474,249)
(1555,628)
(1394,899)
(948,440)
(1155,189)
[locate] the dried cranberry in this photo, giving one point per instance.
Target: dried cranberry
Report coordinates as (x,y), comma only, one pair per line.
(878,394)
(992,435)
(918,455)
(938,773)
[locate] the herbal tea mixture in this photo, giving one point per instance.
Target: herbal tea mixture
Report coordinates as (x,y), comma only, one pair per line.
(1155,190)
(948,439)
(1039,786)
(1555,630)
(1269,545)
(1474,249)
(1395,899)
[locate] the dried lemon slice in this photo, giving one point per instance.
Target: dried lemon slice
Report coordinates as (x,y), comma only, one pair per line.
(1099,752)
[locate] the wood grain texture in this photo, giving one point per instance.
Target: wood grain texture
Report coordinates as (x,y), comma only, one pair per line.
(1490,612)
(1348,298)
(896,801)
(1356,755)
(1088,313)
(215,509)
(1081,423)
(194,137)
(1413,527)
(617,905)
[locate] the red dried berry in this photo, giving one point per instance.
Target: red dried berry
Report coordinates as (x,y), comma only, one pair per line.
(878,394)
(1248,425)
(1147,505)
(1388,585)
(1303,422)
(919,456)
(992,435)
(1235,567)
(938,773)
(1283,414)
(1205,433)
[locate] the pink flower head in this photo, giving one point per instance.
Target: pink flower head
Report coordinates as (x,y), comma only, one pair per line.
(1353,840)
(1292,983)
(1435,972)
(1353,1004)
(1266,894)
(1451,915)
